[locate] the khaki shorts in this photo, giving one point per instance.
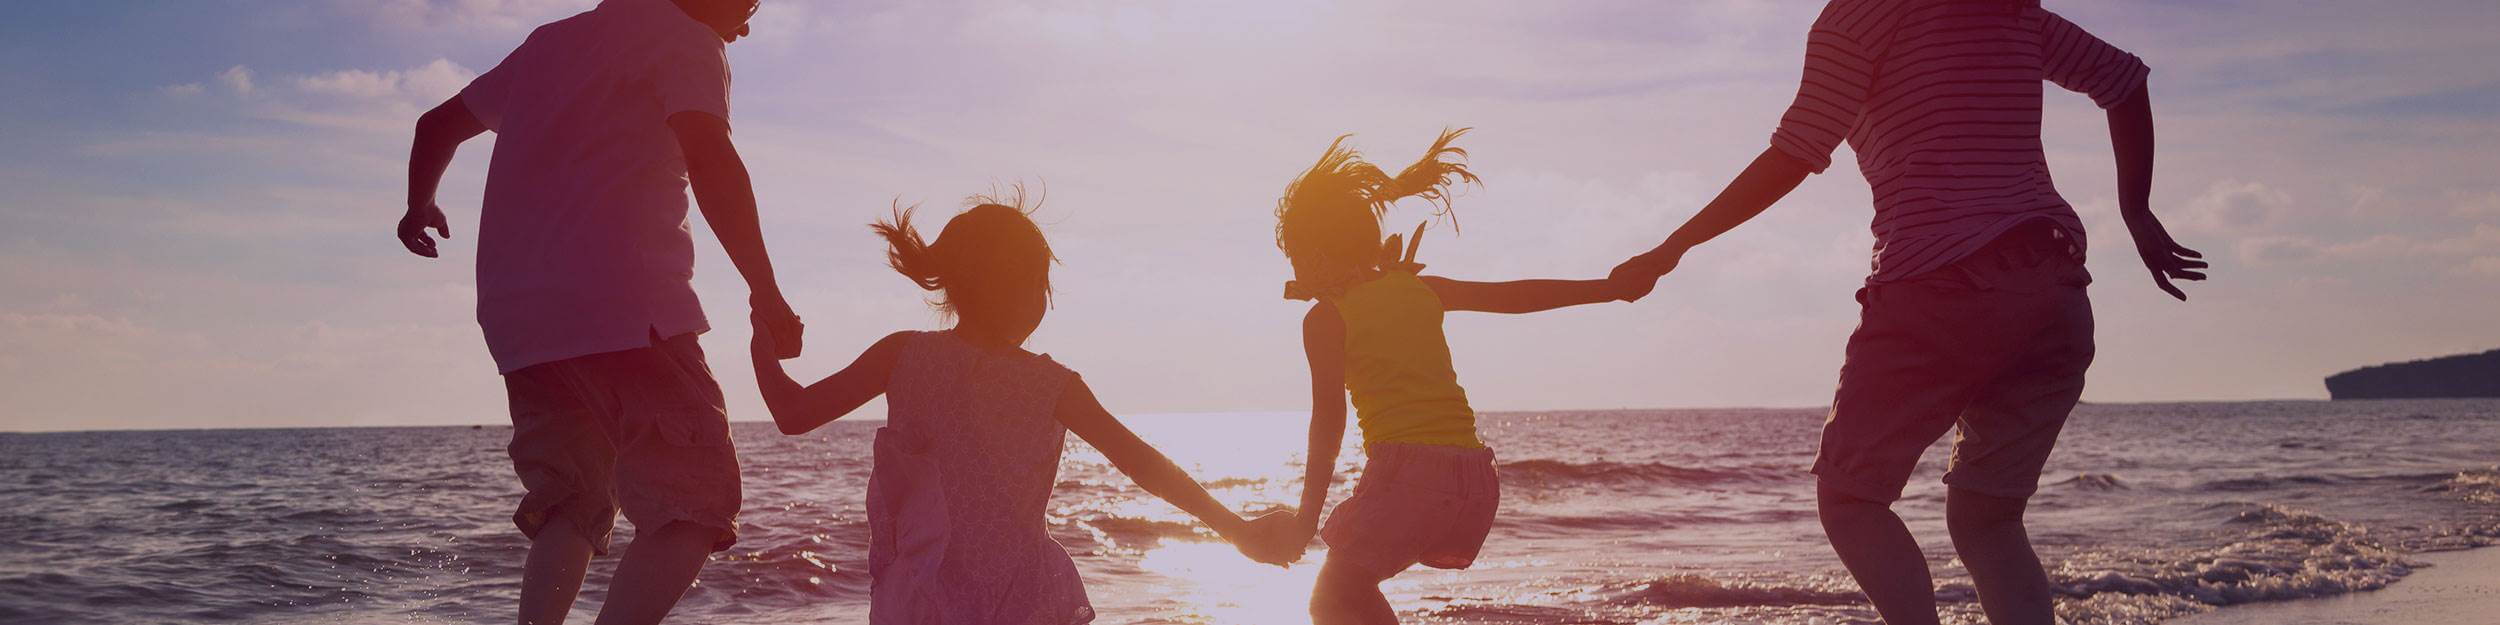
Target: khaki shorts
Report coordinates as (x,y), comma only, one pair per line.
(642,430)
(1427,504)
(1996,344)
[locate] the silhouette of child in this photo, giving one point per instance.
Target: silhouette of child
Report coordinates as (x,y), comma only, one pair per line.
(1428,491)
(965,464)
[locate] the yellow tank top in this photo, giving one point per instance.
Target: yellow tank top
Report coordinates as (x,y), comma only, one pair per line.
(1398,365)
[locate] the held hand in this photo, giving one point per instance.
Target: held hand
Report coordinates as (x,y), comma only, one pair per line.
(776,323)
(1273,538)
(2164,257)
(412,229)
(1640,274)
(762,346)
(1630,288)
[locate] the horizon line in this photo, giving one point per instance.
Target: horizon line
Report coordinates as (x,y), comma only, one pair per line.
(1202,413)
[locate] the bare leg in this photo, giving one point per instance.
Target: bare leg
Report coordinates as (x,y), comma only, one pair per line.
(1348,595)
(1881,554)
(1988,532)
(558,558)
(656,571)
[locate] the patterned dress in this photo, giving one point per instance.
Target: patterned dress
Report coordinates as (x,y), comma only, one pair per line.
(984,423)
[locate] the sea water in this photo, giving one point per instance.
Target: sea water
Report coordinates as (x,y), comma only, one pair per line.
(2148,511)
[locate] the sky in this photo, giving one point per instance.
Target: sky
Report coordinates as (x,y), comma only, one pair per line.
(196,198)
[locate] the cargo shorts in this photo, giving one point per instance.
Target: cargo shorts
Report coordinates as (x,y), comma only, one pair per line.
(643,430)
(1995,345)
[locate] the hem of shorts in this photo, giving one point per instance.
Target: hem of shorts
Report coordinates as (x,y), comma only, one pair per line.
(599,542)
(1991,491)
(1372,561)
(728,531)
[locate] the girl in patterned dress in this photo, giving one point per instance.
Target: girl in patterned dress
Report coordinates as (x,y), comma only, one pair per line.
(965,464)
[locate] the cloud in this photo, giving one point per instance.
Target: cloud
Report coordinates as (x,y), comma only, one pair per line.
(237,80)
(2477,205)
(351,99)
(2466,249)
(2484,266)
(497,15)
(432,81)
(2235,206)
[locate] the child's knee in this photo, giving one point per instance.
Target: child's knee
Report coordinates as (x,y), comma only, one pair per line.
(1340,585)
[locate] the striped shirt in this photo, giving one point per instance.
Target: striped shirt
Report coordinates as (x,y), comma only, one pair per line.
(1940,99)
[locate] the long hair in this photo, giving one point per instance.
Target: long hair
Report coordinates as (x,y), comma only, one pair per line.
(988,247)
(1329,219)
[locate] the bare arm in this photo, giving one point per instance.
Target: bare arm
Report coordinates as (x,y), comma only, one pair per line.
(1323,343)
(799,410)
(2131,137)
(1771,176)
(1524,296)
(727,199)
(1083,414)
(439,134)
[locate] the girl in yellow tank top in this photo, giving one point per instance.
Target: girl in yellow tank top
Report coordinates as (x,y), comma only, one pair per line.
(1373,334)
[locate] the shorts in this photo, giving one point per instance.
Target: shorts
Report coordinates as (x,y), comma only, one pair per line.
(642,430)
(1417,504)
(1996,343)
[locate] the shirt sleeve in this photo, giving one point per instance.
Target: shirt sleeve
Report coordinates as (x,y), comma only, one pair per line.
(2082,63)
(693,75)
(1830,97)
(486,95)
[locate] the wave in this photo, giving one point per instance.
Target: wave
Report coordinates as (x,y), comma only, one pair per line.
(2477,486)
(1563,473)
(2277,554)
(2094,482)
(1133,532)
(2282,554)
(1696,591)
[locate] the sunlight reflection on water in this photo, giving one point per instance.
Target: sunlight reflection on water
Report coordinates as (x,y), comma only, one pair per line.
(1215,582)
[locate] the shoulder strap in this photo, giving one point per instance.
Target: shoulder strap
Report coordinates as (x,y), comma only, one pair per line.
(1390,260)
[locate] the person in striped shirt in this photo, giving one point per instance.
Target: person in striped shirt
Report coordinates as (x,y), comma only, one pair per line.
(1974,311)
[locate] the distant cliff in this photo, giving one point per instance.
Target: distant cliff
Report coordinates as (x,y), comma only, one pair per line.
(2469,375)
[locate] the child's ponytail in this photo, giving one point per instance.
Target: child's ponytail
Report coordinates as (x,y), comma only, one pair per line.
(1328,222)
(1430,178)
(983,253)
(907,252)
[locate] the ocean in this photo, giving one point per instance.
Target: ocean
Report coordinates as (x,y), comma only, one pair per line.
(2148,512)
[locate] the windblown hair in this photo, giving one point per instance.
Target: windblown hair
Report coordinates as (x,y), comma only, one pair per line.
(1329,220)
(991,246)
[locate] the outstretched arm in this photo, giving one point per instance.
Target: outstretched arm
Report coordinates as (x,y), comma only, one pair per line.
(439,134)
(1771,176)
(801,409)
(727,199)
(2131,135)
(1527,296)
(1323,343)
(1083,414)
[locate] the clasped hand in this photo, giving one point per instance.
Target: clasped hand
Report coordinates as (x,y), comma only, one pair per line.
(1274,538)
